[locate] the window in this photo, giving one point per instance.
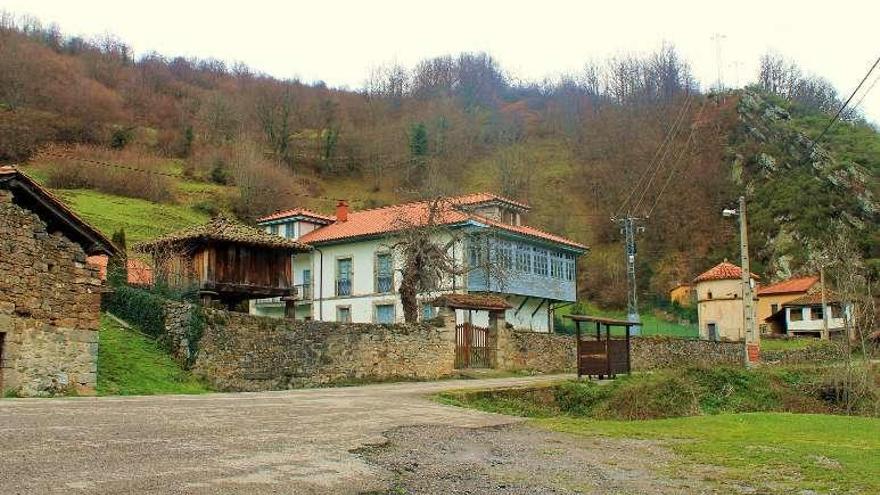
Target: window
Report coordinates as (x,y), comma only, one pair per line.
(836,312)
(343,276)
(540,262)
(306,292)
(475,255)
(816,313)
(709,295)
(774,308)
(505,255)
(385,313)
(523,259)
(343,314)
(556,265)
(795,314)
(384,273)
(273,229)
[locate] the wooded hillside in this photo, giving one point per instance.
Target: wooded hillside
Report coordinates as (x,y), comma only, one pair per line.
(201,136)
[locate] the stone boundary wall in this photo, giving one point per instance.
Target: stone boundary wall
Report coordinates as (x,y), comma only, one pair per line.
(818,352)
(537,352)
(652,353)
(240,352)
(49,307)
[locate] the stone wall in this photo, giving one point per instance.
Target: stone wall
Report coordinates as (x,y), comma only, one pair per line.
(244,352)
(49,307)
(650,353)
(536,351)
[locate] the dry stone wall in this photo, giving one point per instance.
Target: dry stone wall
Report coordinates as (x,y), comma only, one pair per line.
(49,307)
(651,353)
(247,353)
(536,352)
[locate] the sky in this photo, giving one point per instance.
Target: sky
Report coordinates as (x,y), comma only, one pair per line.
(339,42)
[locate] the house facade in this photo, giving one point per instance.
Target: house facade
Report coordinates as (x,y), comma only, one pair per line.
(683,295)
(719,302)
(804,316)
(353,272)
(771,299)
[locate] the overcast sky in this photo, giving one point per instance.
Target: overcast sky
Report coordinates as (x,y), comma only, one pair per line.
(339,41)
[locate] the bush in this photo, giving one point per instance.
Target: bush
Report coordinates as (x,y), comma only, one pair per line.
(137,306)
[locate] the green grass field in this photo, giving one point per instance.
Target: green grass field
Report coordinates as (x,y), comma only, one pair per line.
(141,219)
(788,344)
(772,452)
(132,364)
(651,324)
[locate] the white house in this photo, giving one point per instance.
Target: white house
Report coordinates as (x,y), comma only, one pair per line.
(803,316)
(351,274)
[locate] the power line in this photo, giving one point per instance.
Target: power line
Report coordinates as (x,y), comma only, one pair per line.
(842,107)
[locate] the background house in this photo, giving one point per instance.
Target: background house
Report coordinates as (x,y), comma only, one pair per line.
(803,316)
(719,302)
(352,274)
(772,297)
(49,297)
(683,295)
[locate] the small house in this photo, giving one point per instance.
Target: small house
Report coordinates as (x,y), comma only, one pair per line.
(683,295)
(804,316)
(772,297)
(226,261)
(719,302)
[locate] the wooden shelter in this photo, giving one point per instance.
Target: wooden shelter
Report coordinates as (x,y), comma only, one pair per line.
(226,260)
(602,357)
(475,347)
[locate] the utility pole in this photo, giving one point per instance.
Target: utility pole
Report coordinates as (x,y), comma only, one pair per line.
(749,333)
(629,228)
(718,38)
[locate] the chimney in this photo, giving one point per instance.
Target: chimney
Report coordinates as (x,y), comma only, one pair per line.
(342,211)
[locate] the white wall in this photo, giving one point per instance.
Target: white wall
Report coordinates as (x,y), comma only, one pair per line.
(810,325)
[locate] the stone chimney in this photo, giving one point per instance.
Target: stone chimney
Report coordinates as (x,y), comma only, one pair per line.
(342,211)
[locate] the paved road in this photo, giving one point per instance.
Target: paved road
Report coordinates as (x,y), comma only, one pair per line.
(271,442)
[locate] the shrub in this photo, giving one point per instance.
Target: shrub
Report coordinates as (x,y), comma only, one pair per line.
(137,306)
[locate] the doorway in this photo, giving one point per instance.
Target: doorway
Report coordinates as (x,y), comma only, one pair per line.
(712,330)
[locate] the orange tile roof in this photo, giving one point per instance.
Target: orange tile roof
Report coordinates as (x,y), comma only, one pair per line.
(401,216)
(792,285)
(722,271)
(485,302)
(814,299)
(485,197)
(297,212)
(139,273)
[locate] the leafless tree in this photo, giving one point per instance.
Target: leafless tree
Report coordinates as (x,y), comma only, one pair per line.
(430,254)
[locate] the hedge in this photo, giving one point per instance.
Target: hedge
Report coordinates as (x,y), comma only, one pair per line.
(137,306)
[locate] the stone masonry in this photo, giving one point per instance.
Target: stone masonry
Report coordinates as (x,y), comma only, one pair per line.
(243,352)
(49,307)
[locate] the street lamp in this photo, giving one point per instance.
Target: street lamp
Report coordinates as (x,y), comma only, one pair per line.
(749,333)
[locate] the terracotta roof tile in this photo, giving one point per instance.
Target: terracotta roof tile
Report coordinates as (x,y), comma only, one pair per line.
(297,212)
(224,230)
(393,218)
(813,299)
(722,271)
(792,285)
(484,302)
(485,197)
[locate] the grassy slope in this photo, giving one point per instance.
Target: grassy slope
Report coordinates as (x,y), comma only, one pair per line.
(779,452)
(651,324)
(141,219)
(132,364)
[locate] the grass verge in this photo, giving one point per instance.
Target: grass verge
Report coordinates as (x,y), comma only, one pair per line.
(130,363)
(770,452)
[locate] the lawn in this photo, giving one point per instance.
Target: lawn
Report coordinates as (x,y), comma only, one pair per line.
(771,452)
(141,219)
(789,344)
(130,363)
(651,324)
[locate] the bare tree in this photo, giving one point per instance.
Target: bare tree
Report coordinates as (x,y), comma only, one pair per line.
(431,254)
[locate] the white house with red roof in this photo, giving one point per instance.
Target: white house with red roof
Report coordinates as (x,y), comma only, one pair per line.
(719,302)
(352,273)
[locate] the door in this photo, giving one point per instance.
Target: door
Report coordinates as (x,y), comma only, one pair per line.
(473,347)
(712,330)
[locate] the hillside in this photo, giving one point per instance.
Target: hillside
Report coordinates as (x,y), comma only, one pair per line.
(154,144)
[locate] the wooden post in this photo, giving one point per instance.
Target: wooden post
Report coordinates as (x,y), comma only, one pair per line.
(628,359)
(577,347)
(607,349)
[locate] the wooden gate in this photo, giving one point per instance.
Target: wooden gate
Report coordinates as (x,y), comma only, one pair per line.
(473,347)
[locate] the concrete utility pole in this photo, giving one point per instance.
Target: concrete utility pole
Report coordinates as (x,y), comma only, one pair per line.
(629,229)
(824,303)
(749,332)
(718,38)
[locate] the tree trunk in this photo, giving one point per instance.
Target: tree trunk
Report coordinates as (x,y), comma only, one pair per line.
(408,294)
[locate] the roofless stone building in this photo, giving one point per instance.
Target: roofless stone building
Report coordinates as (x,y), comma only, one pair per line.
(50,298)
(226,261)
